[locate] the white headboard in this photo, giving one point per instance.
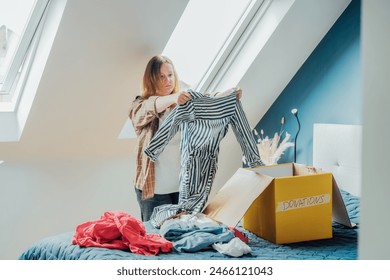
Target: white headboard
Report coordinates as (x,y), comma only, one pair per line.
(337,148)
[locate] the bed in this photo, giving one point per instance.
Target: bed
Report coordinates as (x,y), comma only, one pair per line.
(342,246)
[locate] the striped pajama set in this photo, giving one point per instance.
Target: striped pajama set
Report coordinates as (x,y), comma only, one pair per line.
(203,122)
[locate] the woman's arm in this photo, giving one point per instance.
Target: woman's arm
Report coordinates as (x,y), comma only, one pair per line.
(143,112)
(163,102)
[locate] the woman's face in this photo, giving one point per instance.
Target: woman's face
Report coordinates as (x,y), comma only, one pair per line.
(167,79)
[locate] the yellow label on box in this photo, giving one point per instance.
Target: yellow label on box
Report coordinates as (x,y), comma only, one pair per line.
(303,202)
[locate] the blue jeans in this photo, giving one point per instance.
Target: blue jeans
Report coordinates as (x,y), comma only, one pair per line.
(147,205)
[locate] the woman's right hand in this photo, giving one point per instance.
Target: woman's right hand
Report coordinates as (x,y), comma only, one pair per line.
(182,97)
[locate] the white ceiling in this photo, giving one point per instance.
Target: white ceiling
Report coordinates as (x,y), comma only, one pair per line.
(92,74)
(97,61)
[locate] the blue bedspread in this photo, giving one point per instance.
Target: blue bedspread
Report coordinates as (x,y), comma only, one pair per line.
(343,246)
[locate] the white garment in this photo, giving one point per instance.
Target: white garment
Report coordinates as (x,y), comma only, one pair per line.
(198,219)
(234,248)
(167,166)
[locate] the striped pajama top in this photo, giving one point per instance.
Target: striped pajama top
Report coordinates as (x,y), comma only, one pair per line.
(203,122)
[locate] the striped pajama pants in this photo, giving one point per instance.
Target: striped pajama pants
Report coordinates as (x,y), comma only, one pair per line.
(203,122)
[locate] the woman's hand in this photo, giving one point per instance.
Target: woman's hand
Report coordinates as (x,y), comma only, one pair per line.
(238,92)
(182,98)
(163,102)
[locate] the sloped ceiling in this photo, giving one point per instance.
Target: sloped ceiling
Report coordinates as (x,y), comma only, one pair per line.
(97,61)
(93,72)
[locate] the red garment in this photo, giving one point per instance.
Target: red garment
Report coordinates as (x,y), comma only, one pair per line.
(118,230)
(239,234)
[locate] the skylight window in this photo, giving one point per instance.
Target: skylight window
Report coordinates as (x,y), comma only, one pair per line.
(202,41)
(19,21)
(205,35)
(22,67)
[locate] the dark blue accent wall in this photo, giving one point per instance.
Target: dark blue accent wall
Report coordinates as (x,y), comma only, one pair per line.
(326,89)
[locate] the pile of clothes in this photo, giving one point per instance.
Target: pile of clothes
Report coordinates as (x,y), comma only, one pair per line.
(190,233)
(186,233)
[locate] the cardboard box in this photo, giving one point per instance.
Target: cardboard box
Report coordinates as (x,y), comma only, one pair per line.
(282,203)
(296,206)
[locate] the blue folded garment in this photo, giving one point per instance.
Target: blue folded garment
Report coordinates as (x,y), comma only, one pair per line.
(189,236)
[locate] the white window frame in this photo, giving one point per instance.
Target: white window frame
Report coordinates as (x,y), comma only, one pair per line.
(25,47)
(233,44)
(15,112)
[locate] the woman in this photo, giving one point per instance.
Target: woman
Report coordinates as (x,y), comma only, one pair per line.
(157,183)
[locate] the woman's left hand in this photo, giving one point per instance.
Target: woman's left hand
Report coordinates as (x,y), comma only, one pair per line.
(238,92)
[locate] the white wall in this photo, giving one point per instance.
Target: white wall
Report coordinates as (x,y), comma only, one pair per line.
(43,198)
(375,207)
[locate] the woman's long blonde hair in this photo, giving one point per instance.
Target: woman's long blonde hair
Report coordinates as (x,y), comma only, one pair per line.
(151,79)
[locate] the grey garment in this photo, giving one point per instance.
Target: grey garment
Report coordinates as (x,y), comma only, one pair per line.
(147,205)
(188,236)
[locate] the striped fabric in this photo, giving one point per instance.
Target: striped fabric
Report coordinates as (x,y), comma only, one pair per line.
(203,122)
